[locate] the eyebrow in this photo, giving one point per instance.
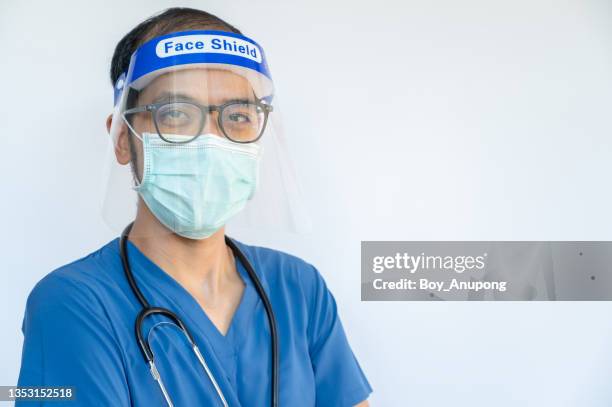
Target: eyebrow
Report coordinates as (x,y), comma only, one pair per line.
(183,97)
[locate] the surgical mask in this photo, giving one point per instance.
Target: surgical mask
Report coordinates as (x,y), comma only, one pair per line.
(195,188)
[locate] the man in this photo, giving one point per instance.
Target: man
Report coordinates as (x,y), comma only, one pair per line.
(194,98)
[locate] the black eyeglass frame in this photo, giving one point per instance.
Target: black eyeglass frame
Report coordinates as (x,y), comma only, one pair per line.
(205,109)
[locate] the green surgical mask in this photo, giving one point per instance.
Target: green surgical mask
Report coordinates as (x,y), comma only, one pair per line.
(195,188)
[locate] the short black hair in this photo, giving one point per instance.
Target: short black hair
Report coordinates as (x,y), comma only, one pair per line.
(165,22)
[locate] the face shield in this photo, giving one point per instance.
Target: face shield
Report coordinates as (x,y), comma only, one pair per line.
(197,142)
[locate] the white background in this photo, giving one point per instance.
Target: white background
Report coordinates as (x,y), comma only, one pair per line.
(407,120)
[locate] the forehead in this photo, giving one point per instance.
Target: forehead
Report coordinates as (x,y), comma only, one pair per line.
(211,86)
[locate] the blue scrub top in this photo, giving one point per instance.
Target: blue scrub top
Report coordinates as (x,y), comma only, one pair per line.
(79,331)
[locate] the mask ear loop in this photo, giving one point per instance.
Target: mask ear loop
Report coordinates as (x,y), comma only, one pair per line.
(134,165)
(127,122)
(129,97)
(129,101)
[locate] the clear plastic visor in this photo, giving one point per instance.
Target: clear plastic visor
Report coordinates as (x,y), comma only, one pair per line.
(163,129)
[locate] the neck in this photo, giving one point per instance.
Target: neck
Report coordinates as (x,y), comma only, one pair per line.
(204,267)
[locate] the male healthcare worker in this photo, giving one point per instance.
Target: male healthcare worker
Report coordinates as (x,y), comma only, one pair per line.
(194,119)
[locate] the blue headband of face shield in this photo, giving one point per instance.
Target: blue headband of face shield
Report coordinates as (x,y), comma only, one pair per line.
(194,47)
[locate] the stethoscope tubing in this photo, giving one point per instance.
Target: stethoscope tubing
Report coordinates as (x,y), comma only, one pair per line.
(147,310)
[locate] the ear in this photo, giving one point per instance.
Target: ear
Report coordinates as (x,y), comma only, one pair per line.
(122,145)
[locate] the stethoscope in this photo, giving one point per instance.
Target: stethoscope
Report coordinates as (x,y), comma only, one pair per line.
(148,310)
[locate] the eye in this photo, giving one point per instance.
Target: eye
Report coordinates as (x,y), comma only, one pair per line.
(242,114)
(173,114)
(178,115)
(240,117)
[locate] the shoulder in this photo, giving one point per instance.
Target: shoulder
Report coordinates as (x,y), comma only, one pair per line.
(286,273)
(77,282)
(69,335)
(279,266)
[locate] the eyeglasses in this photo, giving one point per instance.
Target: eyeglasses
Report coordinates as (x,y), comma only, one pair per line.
(240,121)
